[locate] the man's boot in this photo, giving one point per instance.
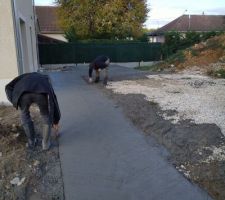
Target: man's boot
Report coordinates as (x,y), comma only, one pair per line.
(97,79)
(30,133)
(46,137)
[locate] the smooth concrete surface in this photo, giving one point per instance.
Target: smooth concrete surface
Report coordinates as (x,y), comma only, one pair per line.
(103,156)
(136,64)
(130,65)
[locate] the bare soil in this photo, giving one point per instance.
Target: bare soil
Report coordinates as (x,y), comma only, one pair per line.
(185,141)
(205,53)
(39,172)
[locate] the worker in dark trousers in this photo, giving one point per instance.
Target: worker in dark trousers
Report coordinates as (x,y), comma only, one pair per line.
(35,88)
(98,64)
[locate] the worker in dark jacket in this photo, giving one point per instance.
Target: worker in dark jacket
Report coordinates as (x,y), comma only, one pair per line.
(35,88)
(98,64)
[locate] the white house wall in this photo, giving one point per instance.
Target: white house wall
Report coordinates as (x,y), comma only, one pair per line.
(26,33)
(154,39)
(12,63)
(8,52)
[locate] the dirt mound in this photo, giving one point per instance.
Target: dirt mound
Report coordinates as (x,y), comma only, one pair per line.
(204,53)
(207,57)
(202,59)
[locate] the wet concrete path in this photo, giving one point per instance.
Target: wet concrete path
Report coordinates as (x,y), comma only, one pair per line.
(103,156)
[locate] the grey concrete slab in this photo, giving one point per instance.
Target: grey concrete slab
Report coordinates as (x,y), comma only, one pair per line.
(136,64)
(104,156)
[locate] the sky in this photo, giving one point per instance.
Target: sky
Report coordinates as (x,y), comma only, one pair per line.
(164,11)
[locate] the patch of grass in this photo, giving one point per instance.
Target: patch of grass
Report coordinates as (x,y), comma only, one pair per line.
(174,59)
(177,57)
(220,73)
(213,44)
(194,52)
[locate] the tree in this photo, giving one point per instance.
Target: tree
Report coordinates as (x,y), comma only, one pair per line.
(144,37)
(103,19)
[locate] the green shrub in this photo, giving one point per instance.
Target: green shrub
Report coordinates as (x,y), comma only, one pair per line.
(194,52)
(177,57)
(213,44)
(220,73)
(175,41)
(207,35)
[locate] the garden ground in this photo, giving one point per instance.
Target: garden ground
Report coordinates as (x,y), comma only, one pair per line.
(26,174)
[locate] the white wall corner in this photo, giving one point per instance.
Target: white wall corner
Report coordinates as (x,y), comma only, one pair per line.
(3,98)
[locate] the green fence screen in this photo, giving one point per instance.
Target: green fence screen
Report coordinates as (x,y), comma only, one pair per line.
(84,53)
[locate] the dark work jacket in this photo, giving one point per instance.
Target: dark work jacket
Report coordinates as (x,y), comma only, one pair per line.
(34,83)
(98,63)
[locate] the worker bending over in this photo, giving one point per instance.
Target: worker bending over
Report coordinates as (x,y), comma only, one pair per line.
(35,88)
(98,64)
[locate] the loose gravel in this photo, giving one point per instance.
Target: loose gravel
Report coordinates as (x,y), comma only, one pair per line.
(194,97)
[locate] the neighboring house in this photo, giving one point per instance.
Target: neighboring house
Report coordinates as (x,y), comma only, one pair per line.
(185,23)
(48,23)
(18,47)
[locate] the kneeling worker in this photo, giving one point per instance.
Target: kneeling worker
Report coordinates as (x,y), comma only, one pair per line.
(35,88)
(98,64)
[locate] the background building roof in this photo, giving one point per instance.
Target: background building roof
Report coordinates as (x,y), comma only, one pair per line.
(48,19)
(186,23)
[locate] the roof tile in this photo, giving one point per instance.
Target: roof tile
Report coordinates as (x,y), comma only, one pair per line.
(48,19)
(186,23)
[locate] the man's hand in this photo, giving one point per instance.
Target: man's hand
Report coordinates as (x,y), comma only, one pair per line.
(56,128)
(90,80)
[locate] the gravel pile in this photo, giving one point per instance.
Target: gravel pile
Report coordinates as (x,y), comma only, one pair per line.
(194,97)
